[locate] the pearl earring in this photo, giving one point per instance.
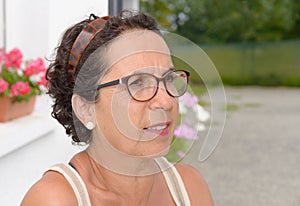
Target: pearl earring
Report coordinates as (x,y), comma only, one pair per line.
(90,125)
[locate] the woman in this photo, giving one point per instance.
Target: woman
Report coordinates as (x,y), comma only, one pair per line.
(115,88)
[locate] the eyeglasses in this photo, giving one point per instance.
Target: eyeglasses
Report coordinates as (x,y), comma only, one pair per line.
(144,86)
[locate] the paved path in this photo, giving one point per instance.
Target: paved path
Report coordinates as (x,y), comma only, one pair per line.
(257,161)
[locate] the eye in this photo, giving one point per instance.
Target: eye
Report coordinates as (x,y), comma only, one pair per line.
(170,77)
(136,81)
(141,81)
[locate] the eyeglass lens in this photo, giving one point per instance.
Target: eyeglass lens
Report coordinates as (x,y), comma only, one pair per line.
(143,87)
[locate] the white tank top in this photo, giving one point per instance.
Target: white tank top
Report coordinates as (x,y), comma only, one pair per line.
(171,175)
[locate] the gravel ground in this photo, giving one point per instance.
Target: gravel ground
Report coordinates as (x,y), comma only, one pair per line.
(257,160)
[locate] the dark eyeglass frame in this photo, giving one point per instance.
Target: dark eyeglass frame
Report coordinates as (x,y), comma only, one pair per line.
(124,80)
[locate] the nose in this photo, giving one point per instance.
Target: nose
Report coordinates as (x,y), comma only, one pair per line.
(162,100)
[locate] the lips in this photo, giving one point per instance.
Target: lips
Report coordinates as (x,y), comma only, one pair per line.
(160,128)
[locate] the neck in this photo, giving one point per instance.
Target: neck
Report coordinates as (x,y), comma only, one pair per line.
(113,160)
(130,178)
(135,190)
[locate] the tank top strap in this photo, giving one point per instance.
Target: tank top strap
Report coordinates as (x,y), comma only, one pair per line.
(174,182)
(171,175)
(76,182)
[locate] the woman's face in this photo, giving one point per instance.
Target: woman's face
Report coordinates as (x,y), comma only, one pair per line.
(132,127)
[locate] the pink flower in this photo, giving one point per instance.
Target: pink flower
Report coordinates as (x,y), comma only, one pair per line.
(180,153)
(42,81)
(189,100)
(183,131)
(35,67)
(20,88)
(12,59)
(3,85)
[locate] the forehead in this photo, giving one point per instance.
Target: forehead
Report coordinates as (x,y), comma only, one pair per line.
(136,41)
(139,49)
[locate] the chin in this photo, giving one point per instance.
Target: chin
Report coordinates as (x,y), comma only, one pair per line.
(159,153)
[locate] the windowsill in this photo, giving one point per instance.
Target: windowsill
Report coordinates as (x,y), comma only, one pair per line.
(19,132)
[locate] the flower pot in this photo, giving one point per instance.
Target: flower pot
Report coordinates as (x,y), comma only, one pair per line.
(10,110)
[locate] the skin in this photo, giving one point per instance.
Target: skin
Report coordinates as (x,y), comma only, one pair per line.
(114,108)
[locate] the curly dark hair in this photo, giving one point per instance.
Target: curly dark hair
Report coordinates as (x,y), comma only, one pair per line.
(61,88)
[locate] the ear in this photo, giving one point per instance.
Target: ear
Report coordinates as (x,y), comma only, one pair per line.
(83,109)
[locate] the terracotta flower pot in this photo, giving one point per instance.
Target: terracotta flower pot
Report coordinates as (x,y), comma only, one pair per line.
(10,110)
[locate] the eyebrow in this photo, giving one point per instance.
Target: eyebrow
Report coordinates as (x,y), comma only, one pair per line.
(168,70)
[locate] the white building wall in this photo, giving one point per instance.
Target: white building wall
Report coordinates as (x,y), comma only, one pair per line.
(35,26)
(27,26)
(65,13)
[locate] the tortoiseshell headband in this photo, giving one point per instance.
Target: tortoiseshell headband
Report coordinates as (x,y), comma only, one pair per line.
(82,41)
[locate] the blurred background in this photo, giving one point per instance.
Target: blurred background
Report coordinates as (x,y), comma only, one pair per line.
(255,47)
(250,42)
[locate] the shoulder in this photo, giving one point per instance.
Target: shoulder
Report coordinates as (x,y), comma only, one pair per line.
(195,184)
(52,189)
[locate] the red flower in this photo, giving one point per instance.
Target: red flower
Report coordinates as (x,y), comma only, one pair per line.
(11,59)
(18,79)
(35,67)
(42,81)
(3,85)
(20,88)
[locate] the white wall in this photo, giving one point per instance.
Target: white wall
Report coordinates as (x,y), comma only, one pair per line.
(65,13)
(27,26)
(35,26)
(1,23)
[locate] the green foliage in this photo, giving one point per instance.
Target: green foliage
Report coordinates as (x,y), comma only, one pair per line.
(159,9)
(178,144)
(268,64)
(209,21)
(265,64)
(11,77)
(20,80)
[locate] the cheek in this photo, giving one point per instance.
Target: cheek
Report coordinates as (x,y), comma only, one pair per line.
(114,122)
(126,117)
(108,111)
(176,107)
(137,113)
(104,118)
(175,110)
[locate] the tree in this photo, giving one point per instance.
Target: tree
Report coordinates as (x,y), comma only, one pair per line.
(228,21)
